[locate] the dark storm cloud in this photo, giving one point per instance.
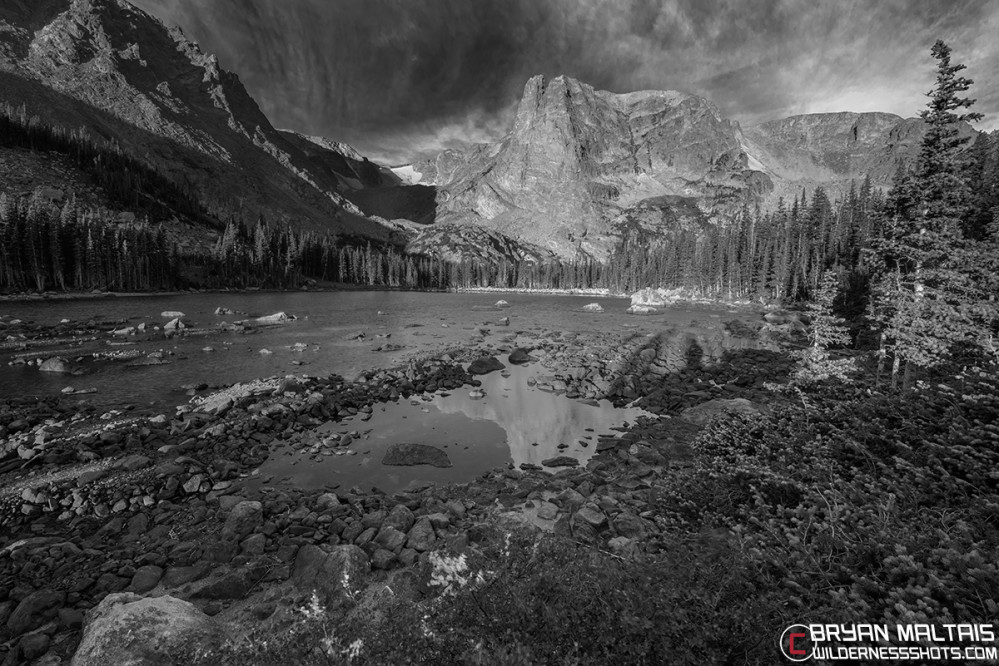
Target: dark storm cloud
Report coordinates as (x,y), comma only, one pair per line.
(404,78)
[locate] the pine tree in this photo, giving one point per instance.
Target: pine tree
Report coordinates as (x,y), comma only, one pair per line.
(928,303)
(827,330)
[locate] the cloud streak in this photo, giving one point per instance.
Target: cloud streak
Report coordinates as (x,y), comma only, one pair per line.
(403,79)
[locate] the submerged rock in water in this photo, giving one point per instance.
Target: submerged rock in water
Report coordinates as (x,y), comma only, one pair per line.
(501,303)
(415,454)
(485,365)
(560,461)
(172,314)
(593,307)
(519,356)
(641,309)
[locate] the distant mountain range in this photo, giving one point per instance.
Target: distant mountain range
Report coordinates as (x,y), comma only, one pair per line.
(578,170)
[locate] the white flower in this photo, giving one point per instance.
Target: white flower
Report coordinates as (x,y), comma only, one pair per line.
(449,572)
(314,610)
(354,649)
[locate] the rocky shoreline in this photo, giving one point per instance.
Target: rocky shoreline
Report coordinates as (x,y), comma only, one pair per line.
(161,508)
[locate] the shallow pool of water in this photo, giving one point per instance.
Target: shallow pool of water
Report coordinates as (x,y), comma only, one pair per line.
(514,422)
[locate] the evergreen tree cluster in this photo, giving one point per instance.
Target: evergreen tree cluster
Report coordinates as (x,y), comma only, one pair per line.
(75,248)
(267,255)
(778,256)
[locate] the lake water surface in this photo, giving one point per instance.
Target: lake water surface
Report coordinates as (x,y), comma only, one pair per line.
(314,344)
(514,423)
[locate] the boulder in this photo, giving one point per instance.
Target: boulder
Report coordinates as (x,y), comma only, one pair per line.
(641,310)
(390,538)
(593,307)
(590,516)
(276,318)
(547,511)
(332,574)
(485,365)
(243,519)
(221,311)
(34,646)
(703,413)
(25,616)
(656,298)
(415,454)
(172,314)
(519,356)
(128,630)
(400,517)
(421,537)
(174,325)
(60,365)
(502,304)
(146,578)
(328,500)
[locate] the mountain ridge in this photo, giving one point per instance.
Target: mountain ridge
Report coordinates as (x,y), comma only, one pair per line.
(171,104)
(580,168)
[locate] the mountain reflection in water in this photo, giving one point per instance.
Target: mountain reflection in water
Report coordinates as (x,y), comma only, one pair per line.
(513,422)
(536,421)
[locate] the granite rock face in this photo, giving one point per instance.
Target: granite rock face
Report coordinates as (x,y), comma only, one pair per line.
(578,163)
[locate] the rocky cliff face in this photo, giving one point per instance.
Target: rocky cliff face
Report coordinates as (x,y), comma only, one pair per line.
(832,149)
(581,167)
(108,66)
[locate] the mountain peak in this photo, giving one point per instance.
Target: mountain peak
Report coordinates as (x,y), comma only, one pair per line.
(581,168)
(578,161)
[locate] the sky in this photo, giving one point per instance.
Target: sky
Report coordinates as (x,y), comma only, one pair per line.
(404,79)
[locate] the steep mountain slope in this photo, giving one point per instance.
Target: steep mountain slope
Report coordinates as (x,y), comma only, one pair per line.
(580,165)
(580,168)
(351,170)
(124,76)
